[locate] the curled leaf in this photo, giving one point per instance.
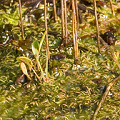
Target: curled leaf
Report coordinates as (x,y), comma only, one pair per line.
(24,70)
(25,60)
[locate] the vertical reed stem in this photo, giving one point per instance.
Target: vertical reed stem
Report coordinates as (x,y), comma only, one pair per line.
(62,17)
(66,35)
(20,11)
(97,27)
(77,15)
(47,43)
(112,8)
(74,30)
(54,7)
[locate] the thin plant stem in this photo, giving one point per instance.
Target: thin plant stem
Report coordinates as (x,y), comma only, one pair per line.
(62,17)
(112,8)
(46,69)
(74,30)
(40,67)
(66,34)
(73,19)
(37,75)
(69,4)
(77,15)
(41,41)
(20,11)
(54,7)
(75,22)
(47,44)
(97,26)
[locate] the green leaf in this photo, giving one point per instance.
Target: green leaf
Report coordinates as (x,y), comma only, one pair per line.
(41,41)
(35,49)
(26,60)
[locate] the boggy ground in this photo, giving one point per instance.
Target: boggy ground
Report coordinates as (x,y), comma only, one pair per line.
(72,91)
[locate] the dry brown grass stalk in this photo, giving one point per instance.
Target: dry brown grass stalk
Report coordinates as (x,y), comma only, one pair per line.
(74,30)
(97,26)
(21,21)
(55,14)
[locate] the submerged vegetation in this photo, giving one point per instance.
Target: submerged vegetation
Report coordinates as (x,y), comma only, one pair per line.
(66,78)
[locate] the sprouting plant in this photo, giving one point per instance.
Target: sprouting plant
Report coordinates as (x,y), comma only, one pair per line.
(36,47)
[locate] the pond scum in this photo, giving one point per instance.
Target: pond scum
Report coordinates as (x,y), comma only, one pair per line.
(59,60)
